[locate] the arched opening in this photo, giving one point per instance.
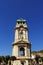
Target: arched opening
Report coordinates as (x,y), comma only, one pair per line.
(22,51)
(22,63)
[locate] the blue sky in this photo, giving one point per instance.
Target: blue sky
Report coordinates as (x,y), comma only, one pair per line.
(10,11)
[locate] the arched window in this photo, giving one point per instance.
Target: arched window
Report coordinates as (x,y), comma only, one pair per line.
(22,51)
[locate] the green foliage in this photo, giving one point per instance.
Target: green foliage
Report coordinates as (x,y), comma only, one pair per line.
(37,58)
(13,58)
(41,51)
(0,59)
(4,58)
(42,58)
(7,58)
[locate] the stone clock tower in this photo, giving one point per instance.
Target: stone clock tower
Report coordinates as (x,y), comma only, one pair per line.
(21,47)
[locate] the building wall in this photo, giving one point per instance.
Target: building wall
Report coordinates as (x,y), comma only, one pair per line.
(18,62)
(15,51)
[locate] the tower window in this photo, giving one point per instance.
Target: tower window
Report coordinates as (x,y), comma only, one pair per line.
(23,22)
(18,22)
(22,52)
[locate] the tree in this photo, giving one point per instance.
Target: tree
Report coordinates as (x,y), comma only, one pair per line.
(0,59)
(13,58)
(3,58)
(7,58)
(37,58)
(42,59)
(41,51)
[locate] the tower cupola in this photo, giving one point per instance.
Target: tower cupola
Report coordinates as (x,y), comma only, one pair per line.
(21,30)
(21,22)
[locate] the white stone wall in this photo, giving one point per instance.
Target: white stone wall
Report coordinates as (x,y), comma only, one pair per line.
(15,51)
(18,62)
(26,35)
(25,51)
(16,35)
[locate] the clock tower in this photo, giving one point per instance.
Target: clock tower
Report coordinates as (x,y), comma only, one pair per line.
(21,47)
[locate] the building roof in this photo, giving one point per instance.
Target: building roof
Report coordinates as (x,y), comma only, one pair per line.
(21,20)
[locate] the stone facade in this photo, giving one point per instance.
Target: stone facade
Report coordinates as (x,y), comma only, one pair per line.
(39,53)
(21,47)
